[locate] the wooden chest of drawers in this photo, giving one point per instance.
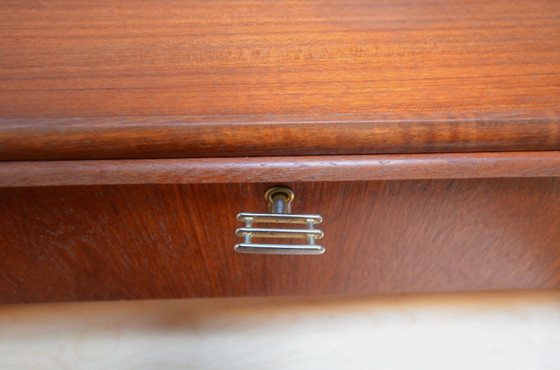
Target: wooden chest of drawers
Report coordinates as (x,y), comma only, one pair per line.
(426,135)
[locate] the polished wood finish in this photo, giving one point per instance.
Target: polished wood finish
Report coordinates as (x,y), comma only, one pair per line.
(160,137)
(168,241)
(108,92)
(281,169)
(110,79)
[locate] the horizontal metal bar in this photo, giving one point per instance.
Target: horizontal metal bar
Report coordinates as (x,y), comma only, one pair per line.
(279,248)
(279,233)
(279,218)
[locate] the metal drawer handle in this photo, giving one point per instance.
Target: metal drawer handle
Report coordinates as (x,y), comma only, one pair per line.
(279,205)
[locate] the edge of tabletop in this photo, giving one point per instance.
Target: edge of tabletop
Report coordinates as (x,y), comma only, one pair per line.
(290,135)
(280,169)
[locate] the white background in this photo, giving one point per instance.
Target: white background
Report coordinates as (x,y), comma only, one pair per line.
(454,331)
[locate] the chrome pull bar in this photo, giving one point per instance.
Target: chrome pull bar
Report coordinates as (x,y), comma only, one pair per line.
(279,233)
(279,204)
(279,248)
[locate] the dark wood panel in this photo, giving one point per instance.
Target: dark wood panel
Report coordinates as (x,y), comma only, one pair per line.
(282,169)
(167,241)
(115,79)
(161,137)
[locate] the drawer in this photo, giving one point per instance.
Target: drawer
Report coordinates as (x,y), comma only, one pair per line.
(432,155)
(79,243)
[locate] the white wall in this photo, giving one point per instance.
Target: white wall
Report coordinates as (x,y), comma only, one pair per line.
(456,331)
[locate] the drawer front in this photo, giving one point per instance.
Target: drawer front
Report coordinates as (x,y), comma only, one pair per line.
(168,241)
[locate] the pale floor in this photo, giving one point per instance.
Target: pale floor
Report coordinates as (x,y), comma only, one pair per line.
(507,331)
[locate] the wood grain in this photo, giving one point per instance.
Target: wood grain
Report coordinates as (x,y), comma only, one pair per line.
(160,137)
(281,169)
(168,241)
(119,79)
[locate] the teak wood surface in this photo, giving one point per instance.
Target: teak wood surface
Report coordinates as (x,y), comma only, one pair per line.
(280,169)
(152,79)
(168,241)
